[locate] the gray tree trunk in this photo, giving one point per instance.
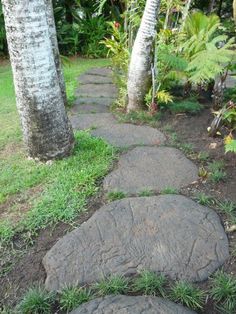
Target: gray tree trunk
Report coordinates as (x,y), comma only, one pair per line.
(186,12)
(53,37)
(46,129)
(140,74)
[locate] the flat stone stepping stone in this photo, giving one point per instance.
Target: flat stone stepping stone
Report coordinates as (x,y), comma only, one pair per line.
(99,71)
(97,90)
(131,305)
(170,234)
(92,120)
(126,135)
(151,168)
(95,79)
(91,105)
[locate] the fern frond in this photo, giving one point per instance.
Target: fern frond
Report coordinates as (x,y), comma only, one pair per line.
(164,96)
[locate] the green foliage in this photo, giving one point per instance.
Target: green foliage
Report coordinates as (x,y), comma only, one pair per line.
(150,283)
(230,146)
(187,106)
(6,231)
(145,193)
(227,207)
(223,287)
(204,199)
(203,156)
(169,190)
(112,285)
(115,195)
(188,295)
(71,297)
(140,117)
(37,301)
(202,47)
(216,171)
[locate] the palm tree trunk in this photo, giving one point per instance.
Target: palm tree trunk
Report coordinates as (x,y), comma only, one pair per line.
(140,74)
(186,12)
(46,130)
(53,37)
(234,11)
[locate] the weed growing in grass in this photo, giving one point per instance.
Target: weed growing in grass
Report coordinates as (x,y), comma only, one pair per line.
(186,148)
(188,295)
(223,287)
(146,193)
(228,307)
(204,199)
(227,207)
(203,156)
(216,171)
(37,301)
(112,285)
(72,297)
(6,232)
(150,283)
(116,195)
(185,106)
(169,190)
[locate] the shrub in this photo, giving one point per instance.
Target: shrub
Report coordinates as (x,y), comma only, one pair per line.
(72,297)
(112,285)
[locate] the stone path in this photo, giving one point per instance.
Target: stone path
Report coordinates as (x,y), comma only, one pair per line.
(168,234)
(131,305)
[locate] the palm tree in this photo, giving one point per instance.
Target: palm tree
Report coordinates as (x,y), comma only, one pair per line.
(140,74)
(46,129)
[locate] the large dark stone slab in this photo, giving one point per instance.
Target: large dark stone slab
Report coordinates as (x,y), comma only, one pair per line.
(126,135)
(170,234)
(151,168)
(92,120)
(121,304)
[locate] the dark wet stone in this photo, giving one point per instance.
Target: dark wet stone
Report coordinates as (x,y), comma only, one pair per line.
(131,305)
(151,168)
(170,234)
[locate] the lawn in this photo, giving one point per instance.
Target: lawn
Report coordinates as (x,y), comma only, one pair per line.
(35,195)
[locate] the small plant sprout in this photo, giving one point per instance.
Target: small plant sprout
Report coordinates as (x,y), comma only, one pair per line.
(227,207)
(116,195)
(146,193)
(72,297)
(223,287)
(186,148)
(169,190)
(216,171)
(150,283)
(37,301)
(188,295)
(112,285)
(204,199)
(203,156)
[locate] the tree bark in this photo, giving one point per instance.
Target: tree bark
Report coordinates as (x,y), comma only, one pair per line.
(186,12)
(234,11)
(46,129)
(140,74)
(53,37)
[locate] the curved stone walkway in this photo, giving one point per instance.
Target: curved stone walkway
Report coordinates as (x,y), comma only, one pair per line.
(169,234)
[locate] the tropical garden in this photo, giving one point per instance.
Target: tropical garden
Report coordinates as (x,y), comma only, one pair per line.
(172,65)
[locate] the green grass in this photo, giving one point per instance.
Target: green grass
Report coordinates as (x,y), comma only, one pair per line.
(71,297)
(223,287)
(51,193)
(150,283)
(216,171)
(187,106)
(116,195)
(37,301)
(204,199)
(146,193)
(68,183)
(169,190)
(112,285)
(188,295)
(141,117)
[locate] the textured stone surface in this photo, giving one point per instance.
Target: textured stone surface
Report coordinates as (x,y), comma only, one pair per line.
(168,233)
(125,135)
(121,304)
(94,79)
(97,90)
(99,71)
(151,168)
(94,101)
(92,120)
